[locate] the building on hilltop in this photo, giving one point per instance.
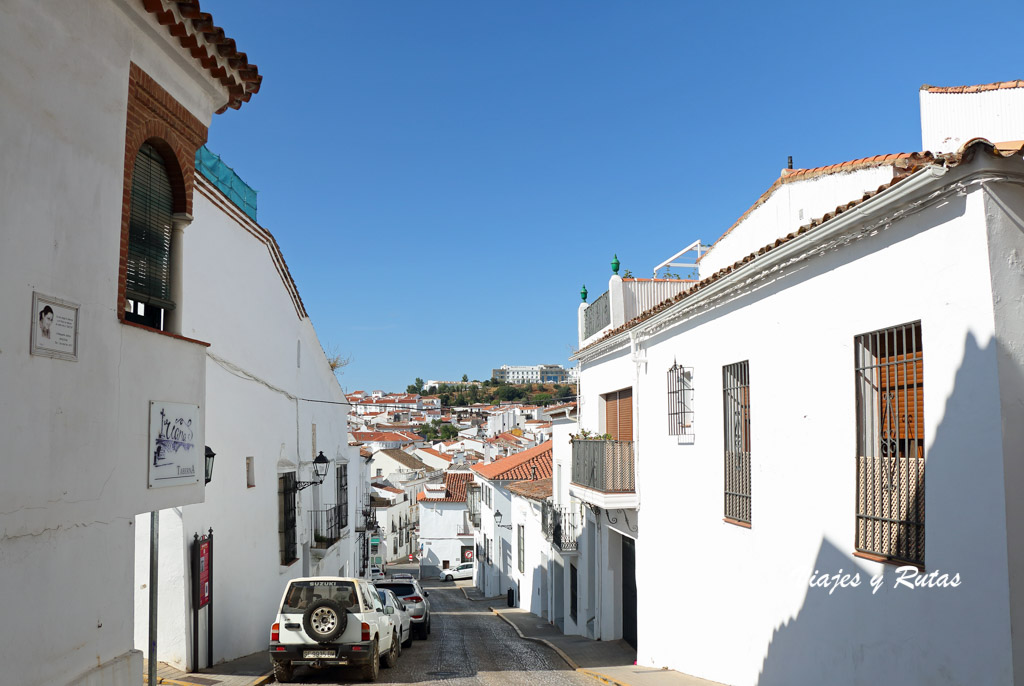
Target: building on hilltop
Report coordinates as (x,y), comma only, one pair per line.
(538,373)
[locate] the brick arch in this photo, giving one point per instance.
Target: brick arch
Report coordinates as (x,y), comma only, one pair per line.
(155,117)
(172,151)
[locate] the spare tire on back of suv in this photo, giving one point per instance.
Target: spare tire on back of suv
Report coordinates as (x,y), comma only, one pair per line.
(324,620)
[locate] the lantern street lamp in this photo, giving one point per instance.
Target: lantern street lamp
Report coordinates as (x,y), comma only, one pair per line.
(497,521)
(209,463)
(320,463)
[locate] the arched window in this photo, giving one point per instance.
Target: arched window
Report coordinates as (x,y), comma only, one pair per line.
(148,278)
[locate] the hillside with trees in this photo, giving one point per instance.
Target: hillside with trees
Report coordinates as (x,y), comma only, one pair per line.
(493,392)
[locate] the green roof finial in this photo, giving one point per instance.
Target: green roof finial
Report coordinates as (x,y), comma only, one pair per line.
(615,264)
(583,292)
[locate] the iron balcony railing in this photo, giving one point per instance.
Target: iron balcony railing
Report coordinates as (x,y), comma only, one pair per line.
(606,466)
(559,526)
(597,316)
(326,527)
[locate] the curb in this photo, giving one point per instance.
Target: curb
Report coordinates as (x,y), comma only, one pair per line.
(602,677)
(476,600)
(260,681)
(568,660)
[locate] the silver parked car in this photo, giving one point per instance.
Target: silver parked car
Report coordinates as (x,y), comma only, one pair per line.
(415,599)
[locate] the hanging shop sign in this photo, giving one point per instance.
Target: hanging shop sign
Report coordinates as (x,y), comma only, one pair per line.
(176,451)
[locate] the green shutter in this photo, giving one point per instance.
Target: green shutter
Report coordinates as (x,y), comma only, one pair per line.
(149,231)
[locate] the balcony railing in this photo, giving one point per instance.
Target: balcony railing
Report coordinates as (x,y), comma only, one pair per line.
(597,316)
(606,466)
(326,527)
(559,527)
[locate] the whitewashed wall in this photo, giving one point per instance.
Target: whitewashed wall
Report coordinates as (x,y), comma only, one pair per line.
(787,209)
(73,468)
(439,525)
(948,120)
(263,358)
(533,582)
(751,617)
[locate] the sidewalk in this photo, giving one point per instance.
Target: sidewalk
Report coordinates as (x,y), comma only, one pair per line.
(611,662)
(251,670)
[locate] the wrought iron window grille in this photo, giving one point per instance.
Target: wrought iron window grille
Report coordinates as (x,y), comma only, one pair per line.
(680,400)
(890,510)
(736,401)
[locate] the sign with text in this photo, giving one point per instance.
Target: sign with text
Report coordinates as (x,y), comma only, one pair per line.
(204,572)
(176,450)
(54,328)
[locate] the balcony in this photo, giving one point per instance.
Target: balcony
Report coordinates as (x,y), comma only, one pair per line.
(559,526)
(326,527)
(604,473)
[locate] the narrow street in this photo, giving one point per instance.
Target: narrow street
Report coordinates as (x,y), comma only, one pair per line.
(468,644)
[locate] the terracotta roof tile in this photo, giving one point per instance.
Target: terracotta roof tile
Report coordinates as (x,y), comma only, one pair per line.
(966,152)
(405,459)
(216,52)
(979,88)
(534,490)
(455,484)
(518,467)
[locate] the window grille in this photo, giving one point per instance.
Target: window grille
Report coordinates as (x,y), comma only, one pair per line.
(522,549)
(736,392)
(889,375)
(341,471)
(680,400)
(286,517)
(148,275)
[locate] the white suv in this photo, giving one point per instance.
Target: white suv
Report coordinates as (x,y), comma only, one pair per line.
(329,621)
(462,571)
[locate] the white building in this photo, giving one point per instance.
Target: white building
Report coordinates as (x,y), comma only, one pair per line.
(395,465)
(446,533)
(270,410)
(531,548)
(494,536)
(395,521)
(538,373)
(85,85)
(786,395)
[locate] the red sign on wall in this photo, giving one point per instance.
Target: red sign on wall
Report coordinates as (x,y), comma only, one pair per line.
(204,573)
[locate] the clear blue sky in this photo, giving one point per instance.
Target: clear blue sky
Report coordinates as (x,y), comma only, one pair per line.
(444,176)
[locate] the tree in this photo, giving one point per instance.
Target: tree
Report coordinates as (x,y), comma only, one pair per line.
(542,397)
(465,378)
(448,432)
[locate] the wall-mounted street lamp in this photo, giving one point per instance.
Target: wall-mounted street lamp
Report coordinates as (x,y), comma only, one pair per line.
(497,521)
(320,463)
(209,463)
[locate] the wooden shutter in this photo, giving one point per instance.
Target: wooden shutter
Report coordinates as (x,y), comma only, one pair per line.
(148,276)
(611,414)
(618,414)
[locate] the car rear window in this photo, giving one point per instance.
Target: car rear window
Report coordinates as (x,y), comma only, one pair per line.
(301,594)
(398,588)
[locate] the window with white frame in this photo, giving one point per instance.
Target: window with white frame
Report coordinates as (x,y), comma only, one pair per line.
(889,373)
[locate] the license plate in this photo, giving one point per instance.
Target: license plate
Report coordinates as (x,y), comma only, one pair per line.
(312,654)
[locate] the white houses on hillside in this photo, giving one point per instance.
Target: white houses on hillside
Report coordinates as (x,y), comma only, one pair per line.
(104,107)
(858,327)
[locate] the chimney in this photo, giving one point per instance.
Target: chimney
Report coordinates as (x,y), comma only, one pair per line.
(790,163)
(533,473)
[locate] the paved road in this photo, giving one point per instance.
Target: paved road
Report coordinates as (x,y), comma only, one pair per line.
(468,645)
